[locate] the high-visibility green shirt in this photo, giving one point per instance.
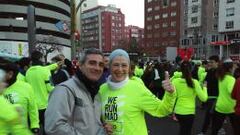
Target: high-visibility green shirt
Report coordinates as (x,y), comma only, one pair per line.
(138,71)
(176,74)
(10,122)
(21,93)
(137,79)
(225,103)
(21,77)
(201,74)
(185,103)
(50,67)
(39,78)
(124,108)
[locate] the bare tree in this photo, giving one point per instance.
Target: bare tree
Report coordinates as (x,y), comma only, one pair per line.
(47,45)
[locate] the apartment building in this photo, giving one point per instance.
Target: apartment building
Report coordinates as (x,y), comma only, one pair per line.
(162,26)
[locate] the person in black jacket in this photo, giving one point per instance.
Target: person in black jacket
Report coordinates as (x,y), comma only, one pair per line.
(212,88)
(63,72)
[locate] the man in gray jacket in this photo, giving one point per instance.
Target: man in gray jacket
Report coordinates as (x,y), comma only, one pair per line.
(73,108)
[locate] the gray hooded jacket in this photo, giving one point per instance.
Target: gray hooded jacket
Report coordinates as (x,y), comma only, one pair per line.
(71,111)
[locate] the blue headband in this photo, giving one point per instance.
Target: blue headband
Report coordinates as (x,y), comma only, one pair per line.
(118,52)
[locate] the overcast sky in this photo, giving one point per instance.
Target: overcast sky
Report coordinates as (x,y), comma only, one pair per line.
(133,10)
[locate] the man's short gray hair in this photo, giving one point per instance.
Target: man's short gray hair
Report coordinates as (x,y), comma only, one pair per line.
(88,52)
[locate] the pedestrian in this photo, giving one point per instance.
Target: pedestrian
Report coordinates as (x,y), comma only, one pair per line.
(23,65)
(63,72)
(125,101)
(187,89)
(236,96)
(132,76)
(21,94)
(73,108)
(38,76)
(106,73)
(225,103)
(10,120)
(212,89)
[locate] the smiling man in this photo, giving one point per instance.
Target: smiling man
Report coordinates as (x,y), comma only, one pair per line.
(72,109)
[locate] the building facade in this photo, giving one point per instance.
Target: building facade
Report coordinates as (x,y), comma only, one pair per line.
(162,26)
(13,24)
(102,27)
(87,4)
(135,38)
(229,27)
(211,27)
(199,26)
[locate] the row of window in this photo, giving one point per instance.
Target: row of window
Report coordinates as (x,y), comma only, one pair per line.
(164,15)
(157,8)
(164,25)
(230,1)
(116,18)
(193,41)
(164,3)
(164,34)
(164,43)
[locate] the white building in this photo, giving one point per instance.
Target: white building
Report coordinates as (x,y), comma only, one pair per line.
(229,27)
(14,24)
(229,17)
(194,13)
(87,4)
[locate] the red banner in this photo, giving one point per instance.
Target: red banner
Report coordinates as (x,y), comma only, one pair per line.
(185,53)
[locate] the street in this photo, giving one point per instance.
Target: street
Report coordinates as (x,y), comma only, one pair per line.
(167,126)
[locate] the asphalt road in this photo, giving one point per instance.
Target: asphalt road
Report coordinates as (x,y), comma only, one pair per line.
(166,126)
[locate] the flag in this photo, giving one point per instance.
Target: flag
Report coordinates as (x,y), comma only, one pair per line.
(62,26)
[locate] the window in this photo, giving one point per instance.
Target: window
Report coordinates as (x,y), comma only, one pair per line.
(156,26)
(164,15)
(149,9)
(214,38)
(173,24)
(194,0)
(173,4)
(230,1)
(194,9)
(165,3)
(215,14)
(149,27)
(173,13)
(230,12)
(156,17)
(149,18)
(215,3)
(156,8)
(164,34)
(149,36)
(194,20)
(165,25)
(215,26)
(173,33)
(149,1)
(229,25)
(156,35)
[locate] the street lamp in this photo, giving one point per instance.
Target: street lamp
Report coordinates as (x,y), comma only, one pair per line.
(74,10)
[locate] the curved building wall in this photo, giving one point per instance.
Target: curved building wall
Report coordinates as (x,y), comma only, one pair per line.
(47,14)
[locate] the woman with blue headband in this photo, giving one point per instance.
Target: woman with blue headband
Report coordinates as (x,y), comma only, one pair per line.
(124,101)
